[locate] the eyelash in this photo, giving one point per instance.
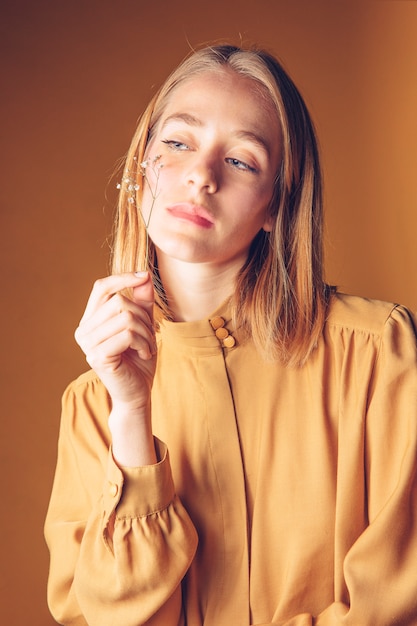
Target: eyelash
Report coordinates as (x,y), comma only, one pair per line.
(180,146)
(174,145)
(241,165)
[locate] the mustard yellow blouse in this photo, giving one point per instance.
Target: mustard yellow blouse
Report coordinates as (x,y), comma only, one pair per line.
(282,496)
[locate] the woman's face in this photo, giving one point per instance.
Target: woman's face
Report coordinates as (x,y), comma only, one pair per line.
(210,173)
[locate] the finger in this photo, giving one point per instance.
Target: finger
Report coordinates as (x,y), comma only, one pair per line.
(144,295)
(115,306)
(126,322)
(109,354)
(105,288)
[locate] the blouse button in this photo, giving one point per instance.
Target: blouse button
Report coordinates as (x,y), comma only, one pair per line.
(217,322)
(113,489)
(222,333)
(229,341)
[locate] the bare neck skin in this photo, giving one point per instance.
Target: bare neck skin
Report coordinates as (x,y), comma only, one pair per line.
(195,290)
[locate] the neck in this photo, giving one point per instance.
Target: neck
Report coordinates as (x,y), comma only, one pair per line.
(195,290)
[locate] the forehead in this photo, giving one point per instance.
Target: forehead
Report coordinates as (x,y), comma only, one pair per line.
(225,93)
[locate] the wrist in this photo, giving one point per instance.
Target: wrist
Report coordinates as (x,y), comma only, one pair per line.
(132,438)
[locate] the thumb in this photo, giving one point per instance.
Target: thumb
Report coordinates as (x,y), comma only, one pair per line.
(144,294)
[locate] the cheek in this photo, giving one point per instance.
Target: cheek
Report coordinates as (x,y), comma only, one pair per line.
(153,184)
(160,178)
(254,204)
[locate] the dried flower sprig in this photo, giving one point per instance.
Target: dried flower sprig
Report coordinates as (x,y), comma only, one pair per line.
(132,187)
(156,168)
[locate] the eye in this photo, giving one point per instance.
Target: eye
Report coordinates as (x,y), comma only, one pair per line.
(240,165)
(176,146)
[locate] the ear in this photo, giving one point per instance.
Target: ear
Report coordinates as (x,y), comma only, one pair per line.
(270,218)
(268,224)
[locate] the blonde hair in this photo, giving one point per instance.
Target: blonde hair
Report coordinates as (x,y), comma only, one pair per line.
(280,297)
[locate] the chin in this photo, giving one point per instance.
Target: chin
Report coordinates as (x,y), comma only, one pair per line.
(182,251)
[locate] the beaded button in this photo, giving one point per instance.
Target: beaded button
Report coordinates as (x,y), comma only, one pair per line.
(221,332)
(217,322)
(113,489)
(229,341)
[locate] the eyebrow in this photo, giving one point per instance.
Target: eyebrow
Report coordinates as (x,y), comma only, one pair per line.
(191,120)
(256,139)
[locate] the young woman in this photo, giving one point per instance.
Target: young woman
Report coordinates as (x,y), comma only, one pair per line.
(243,450)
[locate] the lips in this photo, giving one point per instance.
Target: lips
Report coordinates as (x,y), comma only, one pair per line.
(193,213)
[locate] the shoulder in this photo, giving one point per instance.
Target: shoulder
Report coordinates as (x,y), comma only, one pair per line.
(86,379)
(86,395)
(87,383)
(372,327)
(361,314)
(84,420)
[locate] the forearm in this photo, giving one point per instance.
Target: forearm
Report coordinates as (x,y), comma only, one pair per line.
(93,578)
(141,517)
(100,515)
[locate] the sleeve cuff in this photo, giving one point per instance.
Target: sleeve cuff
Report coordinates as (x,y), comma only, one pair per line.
(139,491)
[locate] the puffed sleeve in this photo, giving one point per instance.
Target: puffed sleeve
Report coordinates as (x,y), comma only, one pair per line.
(119,538)
(380,568)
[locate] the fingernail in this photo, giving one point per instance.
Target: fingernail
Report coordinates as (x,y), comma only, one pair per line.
(141,274)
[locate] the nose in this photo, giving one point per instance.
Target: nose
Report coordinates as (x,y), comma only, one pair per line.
(202,174)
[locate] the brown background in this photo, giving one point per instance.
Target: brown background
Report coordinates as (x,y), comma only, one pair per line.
(76,76)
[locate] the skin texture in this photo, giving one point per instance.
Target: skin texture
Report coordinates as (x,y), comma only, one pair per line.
(219,144)
(211,168)
(116,334)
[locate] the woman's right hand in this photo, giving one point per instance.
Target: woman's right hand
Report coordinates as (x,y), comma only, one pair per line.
(117,336)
